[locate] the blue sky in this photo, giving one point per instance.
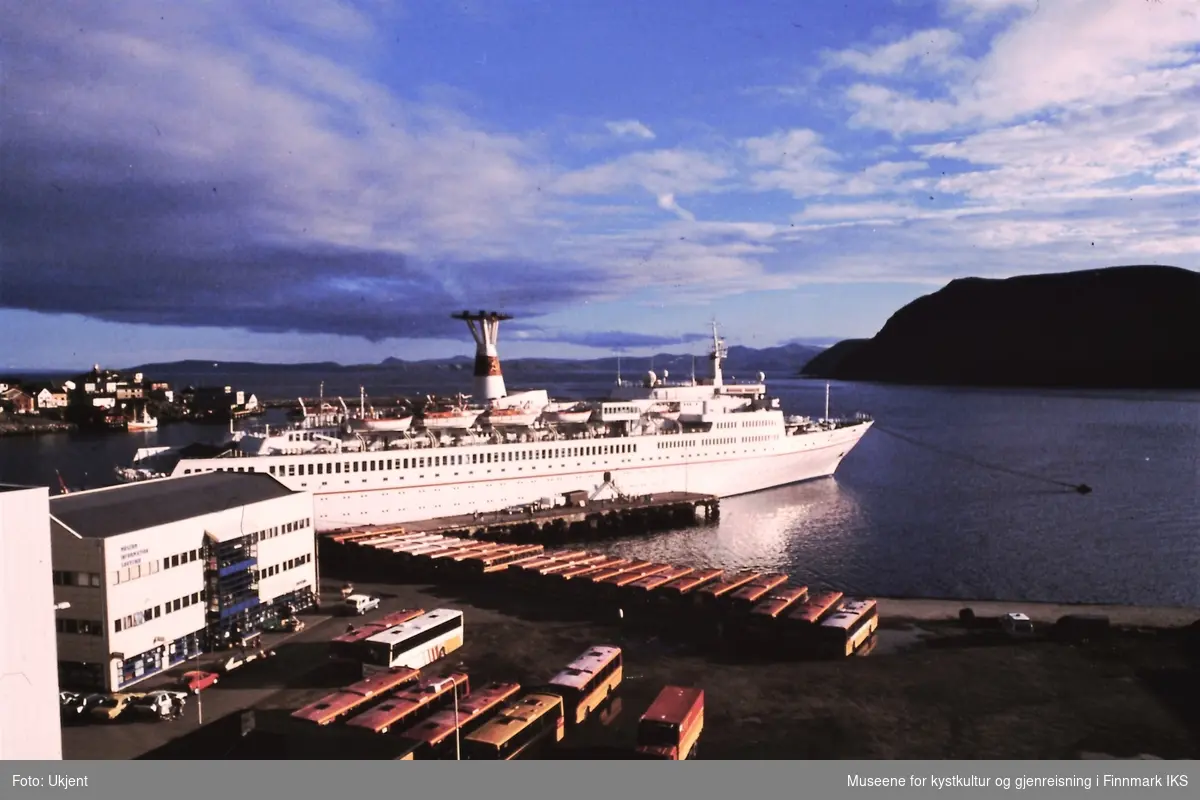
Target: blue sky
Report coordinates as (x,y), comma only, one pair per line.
(325,180)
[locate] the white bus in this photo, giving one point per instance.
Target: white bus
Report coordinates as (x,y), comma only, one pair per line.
(417,643)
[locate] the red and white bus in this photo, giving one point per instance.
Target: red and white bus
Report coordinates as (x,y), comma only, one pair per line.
(437,736)
(588,682)
(416,643)
(748,596)
(349,645)
(414,703)
(710,593)
(354,697)
(670,729)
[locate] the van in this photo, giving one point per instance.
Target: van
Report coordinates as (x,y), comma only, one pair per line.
(361,603)
(1017,624)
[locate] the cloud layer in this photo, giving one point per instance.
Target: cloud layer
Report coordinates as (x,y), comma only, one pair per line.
(231,165)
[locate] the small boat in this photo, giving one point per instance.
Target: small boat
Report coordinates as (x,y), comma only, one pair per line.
(574,414)
(516,417)
(145,422)
(454,416)
(388,423)
(669,411)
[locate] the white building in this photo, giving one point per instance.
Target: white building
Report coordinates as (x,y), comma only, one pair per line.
(29,722)
(157,571)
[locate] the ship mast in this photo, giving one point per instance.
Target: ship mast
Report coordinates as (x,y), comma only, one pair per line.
(827,402)
(717,355)
(485,330)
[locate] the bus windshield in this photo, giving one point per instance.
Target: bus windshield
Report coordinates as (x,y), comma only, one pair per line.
(652,733)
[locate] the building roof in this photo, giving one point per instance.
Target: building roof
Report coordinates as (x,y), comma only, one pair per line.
(100,513)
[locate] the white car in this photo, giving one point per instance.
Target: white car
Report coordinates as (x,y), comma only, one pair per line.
(1017,624)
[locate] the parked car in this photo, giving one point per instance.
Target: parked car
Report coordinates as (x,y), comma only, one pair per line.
(109,708)
(159,704)
(197,681)
(241,660)
(76,707)
(285,625)
(360,604)
(1017,624)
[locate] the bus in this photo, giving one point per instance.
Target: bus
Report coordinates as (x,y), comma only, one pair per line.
(649,583)
(746,597)
(588,681)
(584,566)
(779,600)
(349,646)
(613,587)
(355,697)
(712,592)
(416,643)
(519,728)
(413,704)
(589,585)
(800,624)
(670,729)
(482,564)
(852,624)
(435,737)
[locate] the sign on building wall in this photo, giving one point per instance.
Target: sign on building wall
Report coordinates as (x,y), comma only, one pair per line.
(132,555)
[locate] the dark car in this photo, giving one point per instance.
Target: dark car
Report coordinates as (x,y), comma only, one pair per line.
(75,707)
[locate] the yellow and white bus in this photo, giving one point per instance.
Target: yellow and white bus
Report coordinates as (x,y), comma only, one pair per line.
(521,728)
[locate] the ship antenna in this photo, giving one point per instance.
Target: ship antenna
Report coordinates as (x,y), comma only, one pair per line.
(618,368)
(827,402)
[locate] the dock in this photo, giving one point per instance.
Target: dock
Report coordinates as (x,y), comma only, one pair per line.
(580,518)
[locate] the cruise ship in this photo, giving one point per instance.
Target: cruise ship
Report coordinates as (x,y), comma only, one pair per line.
(493,450)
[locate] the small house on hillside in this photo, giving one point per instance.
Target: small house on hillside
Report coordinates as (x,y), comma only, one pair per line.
(18,400)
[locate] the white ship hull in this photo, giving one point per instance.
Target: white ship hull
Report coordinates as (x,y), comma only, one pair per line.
(366,489)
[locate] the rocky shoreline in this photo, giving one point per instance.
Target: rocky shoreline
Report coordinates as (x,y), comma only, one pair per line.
(33,426)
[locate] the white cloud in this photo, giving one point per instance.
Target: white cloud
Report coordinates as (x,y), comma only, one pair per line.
(667,202)
(658,172)
(981,9)
(794,161)
(934,49)
(629,129)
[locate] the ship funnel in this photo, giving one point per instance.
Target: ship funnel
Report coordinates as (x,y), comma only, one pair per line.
(485,330)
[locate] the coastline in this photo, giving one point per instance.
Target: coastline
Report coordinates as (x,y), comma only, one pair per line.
(920,609)
(33,426)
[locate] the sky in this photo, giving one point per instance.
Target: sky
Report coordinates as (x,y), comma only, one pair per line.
(323,180)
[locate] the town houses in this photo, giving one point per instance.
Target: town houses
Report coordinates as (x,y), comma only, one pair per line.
(111,399)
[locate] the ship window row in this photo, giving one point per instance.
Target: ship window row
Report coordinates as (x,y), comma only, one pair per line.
(750,439)
(423,462)
(284,566)
(90,627)
(676,445)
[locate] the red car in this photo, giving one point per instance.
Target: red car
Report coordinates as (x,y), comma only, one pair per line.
(197,681)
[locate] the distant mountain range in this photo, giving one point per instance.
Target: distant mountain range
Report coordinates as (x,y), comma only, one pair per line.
(1121,327)
(781,361)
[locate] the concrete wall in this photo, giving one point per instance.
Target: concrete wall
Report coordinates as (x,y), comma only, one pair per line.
(30,727)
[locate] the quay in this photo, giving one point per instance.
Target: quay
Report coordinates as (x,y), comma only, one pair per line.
(580,517)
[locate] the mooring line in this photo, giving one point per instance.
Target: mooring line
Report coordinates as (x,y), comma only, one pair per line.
(1081,488)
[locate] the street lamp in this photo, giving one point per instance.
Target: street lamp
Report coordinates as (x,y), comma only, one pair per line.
(457,731)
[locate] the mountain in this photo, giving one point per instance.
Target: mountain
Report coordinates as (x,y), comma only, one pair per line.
(1120,327)
(783,360)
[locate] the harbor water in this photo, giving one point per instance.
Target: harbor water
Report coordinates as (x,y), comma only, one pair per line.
(900,519)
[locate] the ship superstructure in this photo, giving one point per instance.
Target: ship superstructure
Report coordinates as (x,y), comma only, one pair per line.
(494,450)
